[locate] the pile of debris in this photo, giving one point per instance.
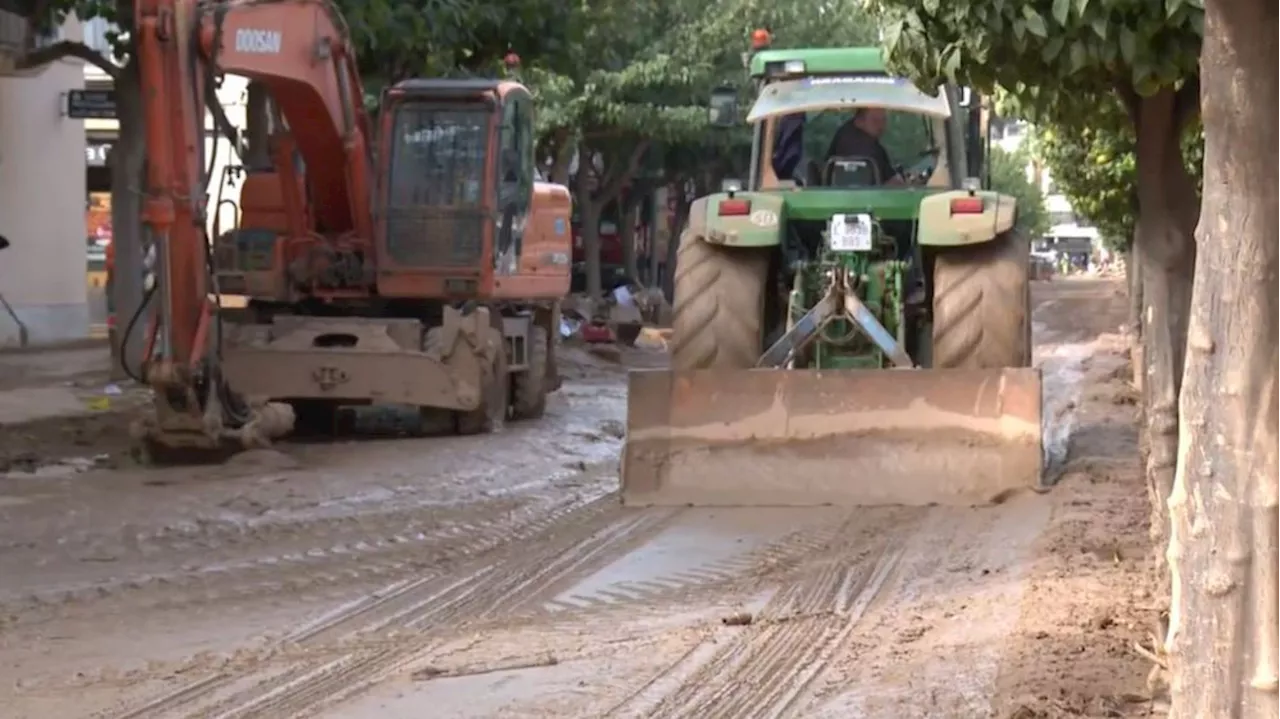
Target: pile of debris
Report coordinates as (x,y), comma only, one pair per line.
(629,316)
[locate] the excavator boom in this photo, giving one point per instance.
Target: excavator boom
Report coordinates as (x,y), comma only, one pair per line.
(433,305)
(298,49)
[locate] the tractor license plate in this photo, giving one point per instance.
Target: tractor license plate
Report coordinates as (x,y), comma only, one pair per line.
(850,233)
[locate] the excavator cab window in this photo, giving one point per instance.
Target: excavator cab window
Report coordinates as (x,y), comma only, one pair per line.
(436,190)
(515,188)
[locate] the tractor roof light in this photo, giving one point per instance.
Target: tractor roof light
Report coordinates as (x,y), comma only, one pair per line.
(793,67)
(761,39)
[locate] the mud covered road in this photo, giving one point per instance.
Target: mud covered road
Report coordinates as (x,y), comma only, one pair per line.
(499,577)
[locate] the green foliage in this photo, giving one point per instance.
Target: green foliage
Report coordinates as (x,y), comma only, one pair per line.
(1055,58)
(645,70)
(1097,172)
(1096,169)
(397,39)
(1009,176)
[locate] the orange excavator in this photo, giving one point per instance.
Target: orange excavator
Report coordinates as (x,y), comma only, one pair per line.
(422,268)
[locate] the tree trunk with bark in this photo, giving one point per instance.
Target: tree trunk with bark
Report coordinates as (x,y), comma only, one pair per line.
(1223,628)
(627,234)
(1167,214)
(128,178)
(589,212)
(619,168)
(1133,279)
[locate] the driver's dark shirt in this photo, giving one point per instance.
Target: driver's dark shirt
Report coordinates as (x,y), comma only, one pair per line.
(853,141)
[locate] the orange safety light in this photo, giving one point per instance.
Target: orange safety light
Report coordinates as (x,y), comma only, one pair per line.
(734,208)
(760,39)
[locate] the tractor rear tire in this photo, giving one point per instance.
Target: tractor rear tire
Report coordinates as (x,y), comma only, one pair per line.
(529,388)
(718,313)
(982,305)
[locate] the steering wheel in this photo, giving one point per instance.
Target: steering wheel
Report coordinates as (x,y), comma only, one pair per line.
(851,171)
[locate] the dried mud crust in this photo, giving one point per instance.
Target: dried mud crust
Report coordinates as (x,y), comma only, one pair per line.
(1092,598)
(27,446)
(906,612)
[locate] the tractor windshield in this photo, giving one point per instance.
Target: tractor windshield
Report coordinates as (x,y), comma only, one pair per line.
(851,131)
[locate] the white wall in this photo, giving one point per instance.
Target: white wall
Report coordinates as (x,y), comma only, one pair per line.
(42,204)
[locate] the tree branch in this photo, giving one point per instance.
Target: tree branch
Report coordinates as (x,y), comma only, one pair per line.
(613,186)
(66,48)
(1186,104)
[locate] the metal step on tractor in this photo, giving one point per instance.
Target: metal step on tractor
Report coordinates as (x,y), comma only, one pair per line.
(862,242)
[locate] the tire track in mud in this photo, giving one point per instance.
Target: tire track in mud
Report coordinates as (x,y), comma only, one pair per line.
(360,644)
(766,669)
(327,554)
(741,571)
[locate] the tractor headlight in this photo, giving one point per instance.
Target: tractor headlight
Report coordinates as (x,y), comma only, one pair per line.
(850,233)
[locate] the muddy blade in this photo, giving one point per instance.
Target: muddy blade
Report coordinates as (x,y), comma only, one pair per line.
(768,437)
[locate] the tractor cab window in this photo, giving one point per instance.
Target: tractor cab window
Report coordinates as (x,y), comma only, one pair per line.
(438,154)
(851,130)
(854,148)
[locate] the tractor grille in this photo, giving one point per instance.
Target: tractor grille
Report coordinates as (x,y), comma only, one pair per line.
(435,203)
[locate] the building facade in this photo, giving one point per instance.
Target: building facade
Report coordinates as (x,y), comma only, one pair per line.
(42,196)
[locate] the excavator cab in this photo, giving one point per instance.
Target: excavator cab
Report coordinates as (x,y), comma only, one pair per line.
(460,205)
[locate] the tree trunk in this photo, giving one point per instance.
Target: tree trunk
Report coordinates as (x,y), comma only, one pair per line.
(1222,638)
(1133,278)
(627,234)
(651,222)
(1167,214)
(128,164)
(590,214)
(564,148)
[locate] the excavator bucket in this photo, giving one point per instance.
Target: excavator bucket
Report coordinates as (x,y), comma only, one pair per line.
(821,437)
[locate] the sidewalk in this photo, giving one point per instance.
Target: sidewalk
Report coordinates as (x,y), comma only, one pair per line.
(66,381)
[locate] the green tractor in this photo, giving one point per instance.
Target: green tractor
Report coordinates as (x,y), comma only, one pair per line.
(863,240)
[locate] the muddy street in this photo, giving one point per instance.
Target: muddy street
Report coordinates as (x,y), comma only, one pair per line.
(499,577)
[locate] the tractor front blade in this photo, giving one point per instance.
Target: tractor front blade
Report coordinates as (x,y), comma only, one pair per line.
(831,437)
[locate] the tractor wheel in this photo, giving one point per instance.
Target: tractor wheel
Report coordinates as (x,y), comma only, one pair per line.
(718,311)
(982,305)
(529,388)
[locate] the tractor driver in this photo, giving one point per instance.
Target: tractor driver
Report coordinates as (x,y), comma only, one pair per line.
(860,137)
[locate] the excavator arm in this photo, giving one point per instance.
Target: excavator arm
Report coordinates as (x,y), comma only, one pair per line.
(300,50)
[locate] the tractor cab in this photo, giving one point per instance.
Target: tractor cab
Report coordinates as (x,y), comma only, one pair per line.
(833,118)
